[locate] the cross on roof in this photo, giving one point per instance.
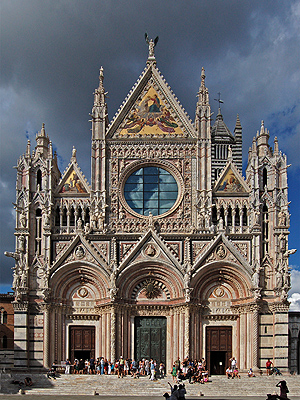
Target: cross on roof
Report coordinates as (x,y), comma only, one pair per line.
(219,99)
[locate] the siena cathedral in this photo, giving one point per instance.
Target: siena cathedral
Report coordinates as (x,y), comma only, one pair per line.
(167,252)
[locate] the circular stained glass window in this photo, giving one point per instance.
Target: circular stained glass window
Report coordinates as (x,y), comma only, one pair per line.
(151,189)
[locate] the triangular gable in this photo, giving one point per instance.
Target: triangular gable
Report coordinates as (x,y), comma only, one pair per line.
(73,181)
(150,246)
(231,181)
(221,249)
(151,109)
(78,250)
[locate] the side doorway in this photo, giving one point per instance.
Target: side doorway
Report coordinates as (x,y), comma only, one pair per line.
(218,348)
(82,342)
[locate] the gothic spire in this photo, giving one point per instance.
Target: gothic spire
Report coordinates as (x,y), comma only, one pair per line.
(203,96)
(99,94)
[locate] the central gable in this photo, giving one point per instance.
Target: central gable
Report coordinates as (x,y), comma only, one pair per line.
(150,116)
(151,110)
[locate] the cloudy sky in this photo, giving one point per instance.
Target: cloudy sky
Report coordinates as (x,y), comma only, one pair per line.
(51,52)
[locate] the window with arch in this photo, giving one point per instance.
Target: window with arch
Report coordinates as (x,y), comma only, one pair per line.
(265,230)
(57,216)
(39,178)
(265,177)
(222,214)
(237,217)
(4,342)
(4,317)
(214,215)
(245,216)
(38,231)
(72,216)
(64,217)
(87,215)
(229,216)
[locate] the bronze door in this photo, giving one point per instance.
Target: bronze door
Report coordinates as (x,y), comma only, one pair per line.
(218,348)
(150,338)
(82,342)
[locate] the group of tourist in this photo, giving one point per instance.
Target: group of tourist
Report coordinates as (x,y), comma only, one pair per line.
(232,370)
(192,370)
(121,367)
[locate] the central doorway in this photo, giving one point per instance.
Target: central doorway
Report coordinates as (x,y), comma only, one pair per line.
(150,338)
(82,342)
(218,348)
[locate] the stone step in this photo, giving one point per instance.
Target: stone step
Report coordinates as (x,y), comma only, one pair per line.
(112,385)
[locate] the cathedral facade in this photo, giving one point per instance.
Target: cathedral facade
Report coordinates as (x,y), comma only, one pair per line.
(168,252)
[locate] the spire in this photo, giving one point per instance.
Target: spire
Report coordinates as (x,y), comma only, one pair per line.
(203,96)
(262,140)
(42,143)
(28,149)
(238,129)
(276,148)
(99,94)
(238,123)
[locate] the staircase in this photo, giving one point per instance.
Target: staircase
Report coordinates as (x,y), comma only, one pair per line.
(111,385)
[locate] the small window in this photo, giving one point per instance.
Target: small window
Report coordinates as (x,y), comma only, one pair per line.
(57,216)
(265,177)
(245,217)
(72,217)
(64,217)
(214,215)
(39,178)
(237,217)
(229,216)
(4,342)
(5,317)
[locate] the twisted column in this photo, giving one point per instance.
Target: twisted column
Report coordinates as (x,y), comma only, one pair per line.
(187,332)
(113,336)
(255,341)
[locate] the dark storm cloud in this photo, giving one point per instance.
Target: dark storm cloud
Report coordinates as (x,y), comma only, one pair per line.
(51,52)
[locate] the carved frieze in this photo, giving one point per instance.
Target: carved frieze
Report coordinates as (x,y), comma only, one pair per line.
(198,248)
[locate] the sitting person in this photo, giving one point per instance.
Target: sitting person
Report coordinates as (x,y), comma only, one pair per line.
(28,381)
(236,373)
(251,373)
(229,373)
(51,373)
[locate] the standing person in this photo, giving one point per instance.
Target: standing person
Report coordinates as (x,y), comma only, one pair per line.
(161,370)
(121,368)
(152,370)
(177,364)
(134,368)
(174,392)
(283,389)
(102,362)
(181,392)
(174,372)
(147,367)
(68,366)
(92,366)
(268,366)
(233,363)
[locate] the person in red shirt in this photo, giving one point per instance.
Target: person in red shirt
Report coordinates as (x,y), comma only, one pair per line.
(268,366)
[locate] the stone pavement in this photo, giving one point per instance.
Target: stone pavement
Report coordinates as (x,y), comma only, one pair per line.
(83,386)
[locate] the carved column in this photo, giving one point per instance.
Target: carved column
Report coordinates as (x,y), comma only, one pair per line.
(187,333)
(255,335)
